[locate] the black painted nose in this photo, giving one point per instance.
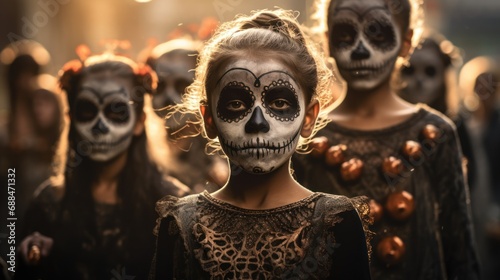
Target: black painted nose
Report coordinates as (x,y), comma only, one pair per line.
(360,52)
(100,128)
(257,122)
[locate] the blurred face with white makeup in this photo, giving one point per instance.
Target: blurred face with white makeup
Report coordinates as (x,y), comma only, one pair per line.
(104,116)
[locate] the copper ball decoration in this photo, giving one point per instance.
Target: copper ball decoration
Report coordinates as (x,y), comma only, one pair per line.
(400,205)
(391,250)
(392,166)
(319,146)
(430,132)
(351,169)
(412,149)
(335,155)
(376,211)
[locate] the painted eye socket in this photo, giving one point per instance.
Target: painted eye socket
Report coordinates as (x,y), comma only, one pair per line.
(281,101)
(380,34)
(180,85)
(343,35)
(85,111)
(408,70)
(236,106)
(280,104)
(235,102)
(162,84)
(117,112)
(430,71)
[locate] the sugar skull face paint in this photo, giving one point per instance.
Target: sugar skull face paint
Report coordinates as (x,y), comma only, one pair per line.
(104,116)
(258,110)
(424,76)
(365,41)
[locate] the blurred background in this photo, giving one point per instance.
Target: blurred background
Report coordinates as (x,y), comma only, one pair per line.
(61,25)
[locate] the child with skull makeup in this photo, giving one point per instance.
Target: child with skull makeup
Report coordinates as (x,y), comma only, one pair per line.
(174,61)
(405,157)
(430,77)
(261,86)
(97,222)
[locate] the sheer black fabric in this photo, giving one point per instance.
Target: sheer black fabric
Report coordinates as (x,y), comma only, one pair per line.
(438,236)
(319,237)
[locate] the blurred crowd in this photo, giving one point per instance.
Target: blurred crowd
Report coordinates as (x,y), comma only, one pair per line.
(38,141)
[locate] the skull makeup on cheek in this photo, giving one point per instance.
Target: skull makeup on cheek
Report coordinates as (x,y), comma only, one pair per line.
(365,41)
(424,76)
(104,117)
(258,110)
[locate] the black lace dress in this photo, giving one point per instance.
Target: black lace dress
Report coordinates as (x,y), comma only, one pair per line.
(413,173)
(318,237)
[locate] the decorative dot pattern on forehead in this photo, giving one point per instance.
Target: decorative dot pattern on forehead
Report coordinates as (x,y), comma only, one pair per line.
(257,82)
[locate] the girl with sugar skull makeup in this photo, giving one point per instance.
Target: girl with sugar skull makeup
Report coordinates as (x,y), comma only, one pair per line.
(405,157)
(430,77)
(97,222)
(259,82)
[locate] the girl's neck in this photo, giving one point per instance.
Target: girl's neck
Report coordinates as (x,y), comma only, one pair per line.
(264,191)
(104,189)
(372,109)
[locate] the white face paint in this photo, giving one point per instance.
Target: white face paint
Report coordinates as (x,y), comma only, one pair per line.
(104,117)
(365,41)
(424,77)
(258,110)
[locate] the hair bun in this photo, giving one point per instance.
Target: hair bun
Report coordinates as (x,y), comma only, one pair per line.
(276,22)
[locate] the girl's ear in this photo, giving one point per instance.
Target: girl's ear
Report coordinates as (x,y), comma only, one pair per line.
(406,46)
(309,123)
(139,125)
(208,122)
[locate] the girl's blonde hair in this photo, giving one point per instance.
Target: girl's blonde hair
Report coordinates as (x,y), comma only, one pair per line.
(268,33)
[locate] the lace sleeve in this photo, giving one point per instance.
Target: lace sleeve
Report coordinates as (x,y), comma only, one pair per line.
(168,259)
(362,206)
(164,207)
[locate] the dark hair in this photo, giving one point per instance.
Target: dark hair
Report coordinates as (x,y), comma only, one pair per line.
(139,183)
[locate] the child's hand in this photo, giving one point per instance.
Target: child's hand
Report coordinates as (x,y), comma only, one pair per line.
(34,247)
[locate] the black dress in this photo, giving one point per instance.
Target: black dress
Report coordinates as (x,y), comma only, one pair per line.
(112,247)
(318,237)
(423,229)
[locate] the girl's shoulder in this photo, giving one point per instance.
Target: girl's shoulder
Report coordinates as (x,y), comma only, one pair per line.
(331,205)
(431,116)
(336,209)
(172,205)
(423,116)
